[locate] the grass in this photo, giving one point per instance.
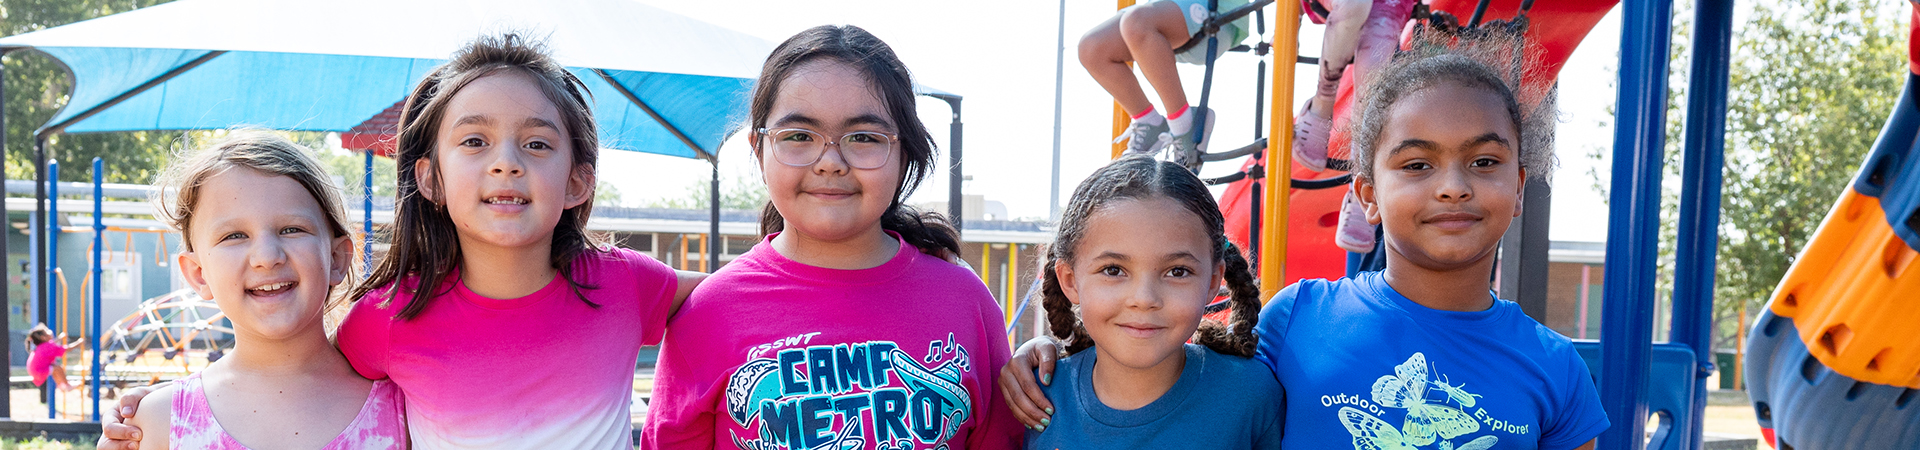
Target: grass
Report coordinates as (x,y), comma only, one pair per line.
(42,444)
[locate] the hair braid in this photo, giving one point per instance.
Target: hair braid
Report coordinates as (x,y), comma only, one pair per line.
(1236,337)
(1063,319)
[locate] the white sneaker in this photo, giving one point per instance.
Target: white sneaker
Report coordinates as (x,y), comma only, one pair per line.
(1143,138)
(1183,150)
(1354,233)
(1310,135)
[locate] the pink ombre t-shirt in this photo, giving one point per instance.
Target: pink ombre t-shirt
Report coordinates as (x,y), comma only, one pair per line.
(772,354)
(542,371)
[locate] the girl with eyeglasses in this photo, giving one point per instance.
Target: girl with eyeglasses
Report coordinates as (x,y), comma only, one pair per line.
(847,326)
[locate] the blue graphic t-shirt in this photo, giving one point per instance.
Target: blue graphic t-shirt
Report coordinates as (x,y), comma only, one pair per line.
(1366,368)
(1219,402)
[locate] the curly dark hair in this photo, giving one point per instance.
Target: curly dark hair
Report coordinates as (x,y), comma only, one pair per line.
(1491,59)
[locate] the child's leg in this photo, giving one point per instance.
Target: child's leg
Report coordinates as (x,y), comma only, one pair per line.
(1104,53)
(58,378)
(1338,49)
(1152,31)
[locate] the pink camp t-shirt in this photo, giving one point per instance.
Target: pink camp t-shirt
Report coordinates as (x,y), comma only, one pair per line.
(40,364)
(772,354)
(542,371)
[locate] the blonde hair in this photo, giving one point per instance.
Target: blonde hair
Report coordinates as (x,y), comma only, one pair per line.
(259,150)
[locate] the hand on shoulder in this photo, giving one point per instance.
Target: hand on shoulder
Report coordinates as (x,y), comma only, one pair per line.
(154,418)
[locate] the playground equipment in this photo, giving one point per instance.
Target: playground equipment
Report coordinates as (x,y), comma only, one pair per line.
(185,328)
(1833,362)
(177,323)
(1636,377)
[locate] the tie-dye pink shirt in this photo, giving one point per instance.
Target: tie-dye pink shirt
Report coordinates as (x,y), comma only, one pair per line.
(380,424)
(542,371)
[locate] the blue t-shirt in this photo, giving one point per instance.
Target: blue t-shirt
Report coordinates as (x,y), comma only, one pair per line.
(1366,368)
(1220,402)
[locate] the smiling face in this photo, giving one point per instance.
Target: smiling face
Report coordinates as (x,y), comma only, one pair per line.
(1447,177)
(829,200)
(263,252)
(1142,276)
(505,165)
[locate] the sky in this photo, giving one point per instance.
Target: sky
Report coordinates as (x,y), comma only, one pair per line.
(1000,55)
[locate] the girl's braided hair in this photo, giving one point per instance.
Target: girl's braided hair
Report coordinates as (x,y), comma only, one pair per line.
(1144,178)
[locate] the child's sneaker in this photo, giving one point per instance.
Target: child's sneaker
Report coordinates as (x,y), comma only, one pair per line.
(1310,135)
(1185,151)
(1144,138)
(1354,233)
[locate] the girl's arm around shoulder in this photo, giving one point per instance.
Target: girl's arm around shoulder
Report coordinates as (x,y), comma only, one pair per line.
(1272,329)
(684,281)
(155,418)
(364,336)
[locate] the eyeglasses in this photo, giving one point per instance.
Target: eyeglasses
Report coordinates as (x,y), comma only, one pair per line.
(802,147)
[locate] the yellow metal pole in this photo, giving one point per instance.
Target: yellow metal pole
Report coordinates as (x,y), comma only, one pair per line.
(1273,222)
(1013,276)
(1120,117)
(986,263)
(703,253)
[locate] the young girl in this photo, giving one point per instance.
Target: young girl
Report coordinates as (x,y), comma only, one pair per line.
(44,362)
(1145,35)
(1130,275)
(490,252)
(836,331)
(265,237)
(1421,355)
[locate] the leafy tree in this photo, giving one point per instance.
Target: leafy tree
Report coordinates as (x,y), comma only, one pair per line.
(36,89)
(736,192)
(351,168)
(606,194)
(1810,83)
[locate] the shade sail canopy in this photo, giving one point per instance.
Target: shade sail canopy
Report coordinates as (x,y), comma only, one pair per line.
(338,65)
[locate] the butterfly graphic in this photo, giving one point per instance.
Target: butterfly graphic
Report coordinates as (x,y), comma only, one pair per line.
(1371,433)
(1426,422)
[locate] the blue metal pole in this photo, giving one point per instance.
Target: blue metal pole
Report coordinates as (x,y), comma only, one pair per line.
(53,271)
(93,321)
(1633,222)
(1703,159)
(366,219)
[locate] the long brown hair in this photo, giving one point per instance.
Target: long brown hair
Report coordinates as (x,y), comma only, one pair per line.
(1142,178)
(426,245)
(861,51)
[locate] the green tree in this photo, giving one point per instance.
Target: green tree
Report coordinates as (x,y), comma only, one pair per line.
(735,193)
(1812,82)
(606,194)
(36,88)
(351,169)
